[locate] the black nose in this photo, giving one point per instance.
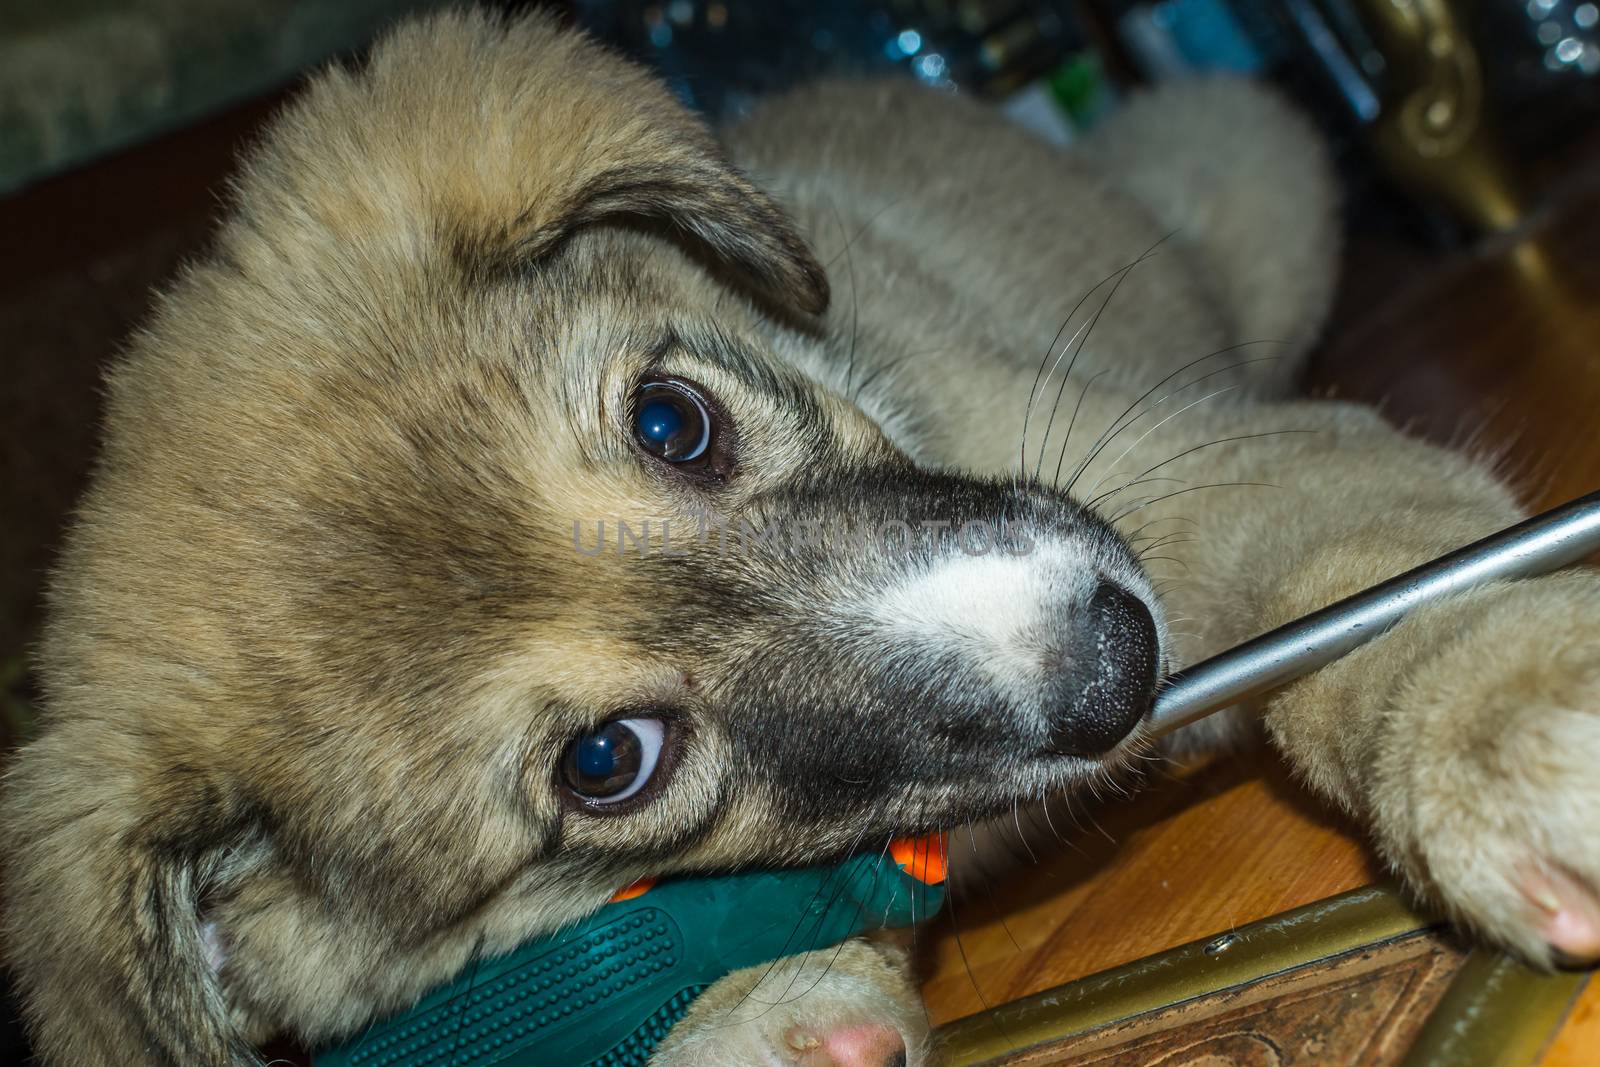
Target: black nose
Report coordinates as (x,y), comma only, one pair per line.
(1108,674)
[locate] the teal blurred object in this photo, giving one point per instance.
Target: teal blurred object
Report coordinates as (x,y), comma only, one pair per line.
(604,992)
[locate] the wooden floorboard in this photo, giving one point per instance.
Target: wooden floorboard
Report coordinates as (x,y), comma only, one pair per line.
(1190,856)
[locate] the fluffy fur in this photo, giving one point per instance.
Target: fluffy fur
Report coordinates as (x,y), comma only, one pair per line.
(320,634)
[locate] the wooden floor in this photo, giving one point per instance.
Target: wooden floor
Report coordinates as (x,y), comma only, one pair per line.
(1499,345)
(1496,348)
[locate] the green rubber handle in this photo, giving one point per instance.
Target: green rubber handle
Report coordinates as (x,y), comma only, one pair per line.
(604,992)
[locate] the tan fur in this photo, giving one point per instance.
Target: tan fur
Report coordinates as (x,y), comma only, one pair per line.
(319,636)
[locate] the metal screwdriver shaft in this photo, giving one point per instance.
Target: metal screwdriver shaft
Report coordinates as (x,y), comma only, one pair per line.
(1544,543)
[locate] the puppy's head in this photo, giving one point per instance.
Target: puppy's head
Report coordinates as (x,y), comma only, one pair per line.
(462,543)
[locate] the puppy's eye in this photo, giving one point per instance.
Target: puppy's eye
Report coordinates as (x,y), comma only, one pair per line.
(671,421)
(614,762)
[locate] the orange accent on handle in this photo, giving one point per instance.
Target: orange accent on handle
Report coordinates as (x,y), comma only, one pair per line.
(923,858)
(637,889)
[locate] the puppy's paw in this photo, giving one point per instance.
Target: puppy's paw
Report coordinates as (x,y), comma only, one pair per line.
(853,1006)
(1487,783)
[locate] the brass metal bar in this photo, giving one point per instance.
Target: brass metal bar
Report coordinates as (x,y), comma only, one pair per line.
(1496,1013)
(1328,928)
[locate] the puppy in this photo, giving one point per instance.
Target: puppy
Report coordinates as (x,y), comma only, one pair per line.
(342,694)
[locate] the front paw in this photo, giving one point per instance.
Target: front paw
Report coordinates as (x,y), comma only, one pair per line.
(1487,783)
(850,1006)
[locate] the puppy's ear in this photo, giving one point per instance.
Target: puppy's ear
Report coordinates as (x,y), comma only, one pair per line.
(498,140)
(683,180)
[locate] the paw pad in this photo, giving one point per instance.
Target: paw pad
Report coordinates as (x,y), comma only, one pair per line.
(1569,915)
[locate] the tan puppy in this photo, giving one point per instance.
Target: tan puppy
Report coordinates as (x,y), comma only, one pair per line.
(342,693)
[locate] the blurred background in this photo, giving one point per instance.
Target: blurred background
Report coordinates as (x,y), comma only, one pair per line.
(1464,130)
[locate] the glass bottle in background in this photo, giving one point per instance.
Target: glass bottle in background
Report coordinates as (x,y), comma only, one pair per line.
(1037,59)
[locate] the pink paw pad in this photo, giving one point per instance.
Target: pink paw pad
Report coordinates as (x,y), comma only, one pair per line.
(1570,913)
(860,1045)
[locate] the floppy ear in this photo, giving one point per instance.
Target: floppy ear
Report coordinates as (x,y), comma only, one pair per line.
(690,187)
(502,138)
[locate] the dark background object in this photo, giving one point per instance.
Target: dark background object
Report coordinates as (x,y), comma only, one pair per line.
(1411,95)
(79,78)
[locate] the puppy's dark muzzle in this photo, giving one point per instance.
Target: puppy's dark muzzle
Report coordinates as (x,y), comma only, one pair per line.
(1108,677)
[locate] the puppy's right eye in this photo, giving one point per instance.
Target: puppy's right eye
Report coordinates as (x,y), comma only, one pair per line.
(671,422)
(614,762)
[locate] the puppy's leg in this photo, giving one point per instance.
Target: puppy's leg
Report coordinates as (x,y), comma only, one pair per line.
(1232,171)
(1469,736)
(101,907)
(853,1006)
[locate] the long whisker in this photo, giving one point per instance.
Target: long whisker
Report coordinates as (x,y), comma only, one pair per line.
(1167,542)
(855,307)
(1084,343)
(1186,452)
(860,232)
(861,900)
(1165,518)
(988,882)
(1040,375)
(1120,488)
(1022,837)
(966,963)
(1070,346)
(799,923)
(1117,425)
(1192,489)
(1164,544)
(1066,442)
(1141,438)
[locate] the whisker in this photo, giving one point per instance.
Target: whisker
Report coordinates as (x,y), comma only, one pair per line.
(855,307)
(1165,518)
(1192,451)
(1144,436)
(1167,542)
(1066,442)
(988,883)
(1045,807)
(1022,837)
(1115,428)
(1190,535)
(1125,486)
(860,232)
(1027,414)
(1042,378)
(972,976)
(1067,376)
(800,922)
(1081,342)
(1192,489)
(861,899)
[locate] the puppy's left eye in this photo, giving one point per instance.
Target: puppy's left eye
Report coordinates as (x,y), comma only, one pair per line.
(614,762)
(671,422)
